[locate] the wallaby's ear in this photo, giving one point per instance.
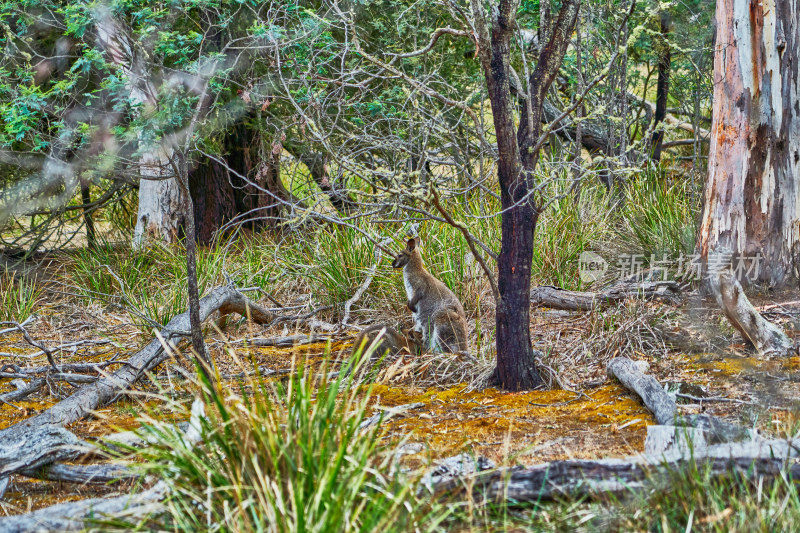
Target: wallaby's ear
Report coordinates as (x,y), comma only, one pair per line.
(411,244)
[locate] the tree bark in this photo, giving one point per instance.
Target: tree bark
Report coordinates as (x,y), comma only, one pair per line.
(518,151)
(159,214)
(198,343)
(37,447)
(243,183)
(751,194)
(662,85)
(86,199)
(765,336)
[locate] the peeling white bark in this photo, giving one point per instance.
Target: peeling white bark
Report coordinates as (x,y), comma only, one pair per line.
(159,211)
(751,198)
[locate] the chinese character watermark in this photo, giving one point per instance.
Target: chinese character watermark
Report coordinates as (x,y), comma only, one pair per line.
(685,267)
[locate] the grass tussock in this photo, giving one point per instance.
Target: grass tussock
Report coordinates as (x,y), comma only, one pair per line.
(18,297)
(287,457)
(696,500)
(658,218)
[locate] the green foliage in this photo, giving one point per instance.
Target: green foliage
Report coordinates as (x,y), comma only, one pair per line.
(18,297)
(659,217)
(287,458)
(568,227)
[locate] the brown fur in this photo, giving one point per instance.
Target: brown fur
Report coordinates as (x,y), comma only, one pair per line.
(437,312)
(391,343)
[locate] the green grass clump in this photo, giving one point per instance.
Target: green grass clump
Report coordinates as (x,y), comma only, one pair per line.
(18,298)
(568,227)
(695,496)
(659,217)
(150,283)
(287,458)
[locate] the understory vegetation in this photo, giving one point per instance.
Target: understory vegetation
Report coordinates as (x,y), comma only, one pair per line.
(289,455)
(201,202)
(299,455)
(328,263)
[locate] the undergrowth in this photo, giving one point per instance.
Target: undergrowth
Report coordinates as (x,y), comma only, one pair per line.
(324,265)
(287,456)
(291,455)
(18,297)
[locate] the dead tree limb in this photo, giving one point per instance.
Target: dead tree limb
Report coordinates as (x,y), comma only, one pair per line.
(632,377)
(611,477)
(101,473)
(24,392)
(681,432)
(37,447)
(287,341)
(767,338)
(556,298)
(89,397)
(72,516)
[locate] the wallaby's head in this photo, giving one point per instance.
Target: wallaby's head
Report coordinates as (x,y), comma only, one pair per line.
(407,253)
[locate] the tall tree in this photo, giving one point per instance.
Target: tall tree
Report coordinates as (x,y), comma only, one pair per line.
(662,85)
(518,153)
(751,203)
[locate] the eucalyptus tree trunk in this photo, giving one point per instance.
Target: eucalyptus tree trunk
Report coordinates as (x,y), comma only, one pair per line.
(159,212)
(518,153)
(751,195)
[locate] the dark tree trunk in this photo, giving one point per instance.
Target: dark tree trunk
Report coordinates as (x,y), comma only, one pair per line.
(195,324)
(751,201)
(662,85)
(86,199)
(518,154)
(220,193)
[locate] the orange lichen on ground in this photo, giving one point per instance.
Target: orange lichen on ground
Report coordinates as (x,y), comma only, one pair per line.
(19,411)
(532,426)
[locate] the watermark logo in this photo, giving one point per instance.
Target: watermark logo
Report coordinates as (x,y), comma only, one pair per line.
(591,267)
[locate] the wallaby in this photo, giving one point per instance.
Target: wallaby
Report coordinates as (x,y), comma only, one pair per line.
(391,343)
(437,313)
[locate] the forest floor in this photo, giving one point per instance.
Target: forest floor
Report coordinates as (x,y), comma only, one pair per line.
(590,417)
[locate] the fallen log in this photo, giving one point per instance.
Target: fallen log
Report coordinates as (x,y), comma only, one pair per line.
(40,440)
(601,479)
(72,516)
(767,338)
(557,298)
(39,446)
(632,376)
(101,473)
(673,430)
